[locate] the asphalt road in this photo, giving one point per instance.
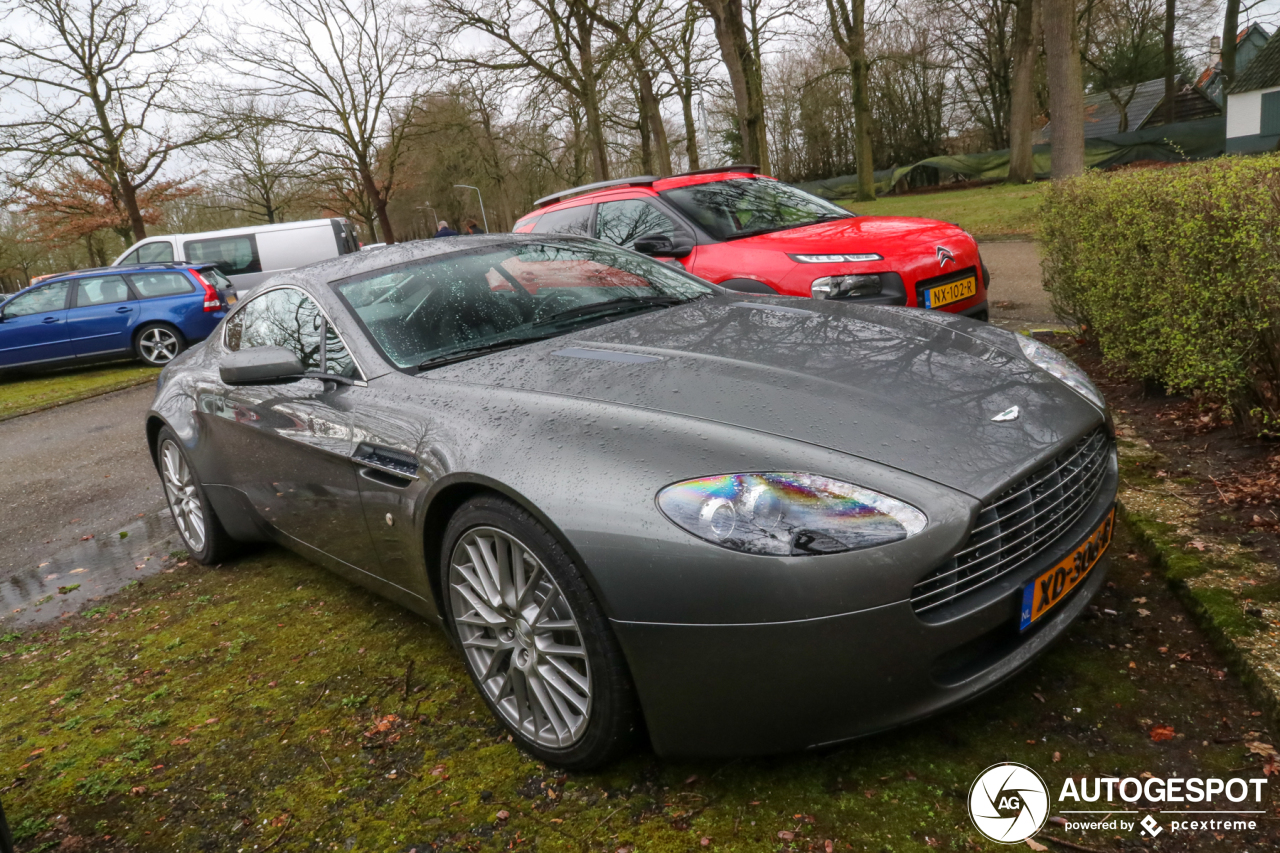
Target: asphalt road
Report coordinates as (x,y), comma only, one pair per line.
(1016,291)
(81,470)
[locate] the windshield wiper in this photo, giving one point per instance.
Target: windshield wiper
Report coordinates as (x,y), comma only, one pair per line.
(612,306)
(481,349)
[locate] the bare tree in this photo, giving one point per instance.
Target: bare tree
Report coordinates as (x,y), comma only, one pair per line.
(682,56)
(555,39)
(1026,51)
(347,71)
(849,29)
(631,27)
(1066,88)
(267,167)
(742,62)
(98,82)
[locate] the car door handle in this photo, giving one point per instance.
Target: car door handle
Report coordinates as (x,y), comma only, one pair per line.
(123,309)
(49,320)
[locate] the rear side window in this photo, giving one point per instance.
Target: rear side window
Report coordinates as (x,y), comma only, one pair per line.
(103,290)
(51,297)
(233,255)
(571,220)
(151,285)
(622,222)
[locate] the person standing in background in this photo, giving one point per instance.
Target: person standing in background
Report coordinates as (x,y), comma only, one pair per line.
(473,227)
(443,230)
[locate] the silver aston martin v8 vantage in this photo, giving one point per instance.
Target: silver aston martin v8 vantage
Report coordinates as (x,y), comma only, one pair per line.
(639,502)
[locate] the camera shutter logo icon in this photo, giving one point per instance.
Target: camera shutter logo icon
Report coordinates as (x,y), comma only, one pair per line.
(1009,802)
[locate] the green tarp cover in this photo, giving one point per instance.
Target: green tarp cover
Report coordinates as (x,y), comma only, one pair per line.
(1189,140)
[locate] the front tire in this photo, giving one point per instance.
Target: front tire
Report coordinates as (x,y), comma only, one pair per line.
(197,523)
(159,344)
(533,637)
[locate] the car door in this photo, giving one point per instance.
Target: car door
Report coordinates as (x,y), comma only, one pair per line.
(287,447)
(102,315)
(33,326)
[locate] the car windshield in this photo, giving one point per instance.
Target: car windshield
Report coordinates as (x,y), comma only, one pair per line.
(449,307)
(742,207)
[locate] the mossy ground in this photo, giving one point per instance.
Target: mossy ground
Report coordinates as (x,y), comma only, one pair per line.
(995,212)
(268,704)
(23,393)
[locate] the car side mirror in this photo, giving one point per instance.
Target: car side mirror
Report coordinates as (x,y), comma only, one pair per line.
(260,366)
(658,243)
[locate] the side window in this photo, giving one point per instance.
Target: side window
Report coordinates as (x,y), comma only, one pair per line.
(131,258)
(154,284)
(280,318)
(621,222)
(155,253)
(1270,119)
(104,290)
(337,359)
(233,255)
(51,297)
(572,220)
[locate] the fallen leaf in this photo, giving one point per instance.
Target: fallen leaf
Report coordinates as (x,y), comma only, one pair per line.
(86,538)
(1195,543)
(503,815)
(1057,756)
(1038,696)
(786,835)
(1162,732)
(1036,846)
(828,845)
(180,741)
(1140,600)
(78,571)
(1257,747)
(705,842)
(1142,612)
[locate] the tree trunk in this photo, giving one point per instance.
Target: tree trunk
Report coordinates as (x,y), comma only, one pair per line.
(860,71)
(595,133)
(1066,89)
(129,198)
(646,138)
(1170,60)
(744,77)
(653,115)
(1230,24)
(1026,49)
(379,203)
(690,128)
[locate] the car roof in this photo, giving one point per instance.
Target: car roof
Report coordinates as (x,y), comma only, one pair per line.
(701,176)
(247,229)
(158,265)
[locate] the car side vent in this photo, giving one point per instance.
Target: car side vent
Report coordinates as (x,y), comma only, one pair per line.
(1021,522)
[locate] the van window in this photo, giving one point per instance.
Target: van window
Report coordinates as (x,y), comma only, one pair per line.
(233,255)
(345,236)
(571,220)
(150,253)
(151,285)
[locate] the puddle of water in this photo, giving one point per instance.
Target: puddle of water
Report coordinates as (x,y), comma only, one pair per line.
(100,566)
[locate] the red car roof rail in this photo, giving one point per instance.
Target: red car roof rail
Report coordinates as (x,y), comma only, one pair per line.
(642,181)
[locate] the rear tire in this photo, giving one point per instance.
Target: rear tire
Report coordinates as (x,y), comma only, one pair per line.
(198,525)
(534,639)
(158,344)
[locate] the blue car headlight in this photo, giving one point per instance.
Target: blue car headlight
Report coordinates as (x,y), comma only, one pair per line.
(787,514)
(1062,368)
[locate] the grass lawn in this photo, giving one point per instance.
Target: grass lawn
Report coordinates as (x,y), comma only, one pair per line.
(24,393)
(999,211)
(268,704)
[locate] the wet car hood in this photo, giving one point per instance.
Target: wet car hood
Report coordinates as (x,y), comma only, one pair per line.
(897,386)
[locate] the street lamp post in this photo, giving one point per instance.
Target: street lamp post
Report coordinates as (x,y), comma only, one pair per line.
(435,218)
(483,215)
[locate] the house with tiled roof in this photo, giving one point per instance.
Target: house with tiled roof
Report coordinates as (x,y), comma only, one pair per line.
(1249,43)
(1253,104)
(1143,107)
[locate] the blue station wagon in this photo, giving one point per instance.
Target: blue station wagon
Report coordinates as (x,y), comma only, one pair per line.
(153,311)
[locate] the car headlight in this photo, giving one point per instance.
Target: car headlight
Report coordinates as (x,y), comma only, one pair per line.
(836,259)
(787,514)
(840,286)
(1049,359)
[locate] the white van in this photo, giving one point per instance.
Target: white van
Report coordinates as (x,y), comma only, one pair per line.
(249,256)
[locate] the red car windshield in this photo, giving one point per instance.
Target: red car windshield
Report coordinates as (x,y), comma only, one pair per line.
(742,207)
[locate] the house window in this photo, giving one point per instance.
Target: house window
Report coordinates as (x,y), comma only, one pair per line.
(1270,114)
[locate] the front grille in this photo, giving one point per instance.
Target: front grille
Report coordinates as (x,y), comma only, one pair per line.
(1021,522)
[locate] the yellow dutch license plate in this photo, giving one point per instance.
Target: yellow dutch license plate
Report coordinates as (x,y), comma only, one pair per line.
(231,299)
(954,291)
(1042,594)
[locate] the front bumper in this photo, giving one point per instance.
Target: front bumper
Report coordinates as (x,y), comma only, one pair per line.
(784,686)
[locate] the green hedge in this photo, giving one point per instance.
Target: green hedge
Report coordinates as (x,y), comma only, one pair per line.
(1176,274)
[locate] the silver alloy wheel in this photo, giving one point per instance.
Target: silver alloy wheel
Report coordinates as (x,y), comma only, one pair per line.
(158,345)
(184,502)
(520,637)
